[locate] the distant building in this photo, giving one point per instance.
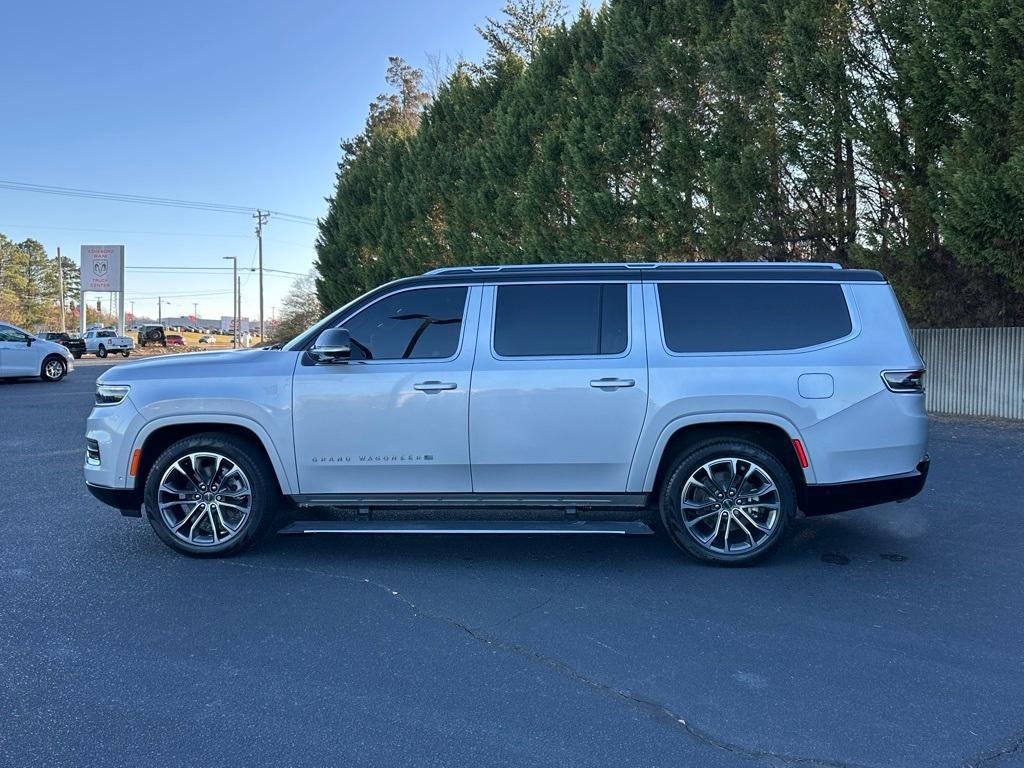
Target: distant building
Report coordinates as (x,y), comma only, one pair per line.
(227,323)
(189,320)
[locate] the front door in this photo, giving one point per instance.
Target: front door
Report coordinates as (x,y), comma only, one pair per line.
(559,387)
(17,356)
(394,419)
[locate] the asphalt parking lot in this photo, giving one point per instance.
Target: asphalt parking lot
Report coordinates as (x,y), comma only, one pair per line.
(885,637)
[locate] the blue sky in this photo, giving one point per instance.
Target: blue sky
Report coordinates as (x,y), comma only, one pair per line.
(241,103)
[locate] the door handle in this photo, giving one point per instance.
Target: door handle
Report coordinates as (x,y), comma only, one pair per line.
(611,383)
(430,387)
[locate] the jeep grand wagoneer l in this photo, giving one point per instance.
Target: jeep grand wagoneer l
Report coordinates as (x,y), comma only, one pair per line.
(721,398)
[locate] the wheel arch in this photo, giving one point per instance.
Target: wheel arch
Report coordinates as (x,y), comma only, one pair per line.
(772,433)
(157,435)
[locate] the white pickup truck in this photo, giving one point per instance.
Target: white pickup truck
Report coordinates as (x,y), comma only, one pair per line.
(104,341)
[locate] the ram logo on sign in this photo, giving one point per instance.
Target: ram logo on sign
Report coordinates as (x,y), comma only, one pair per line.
(102,267)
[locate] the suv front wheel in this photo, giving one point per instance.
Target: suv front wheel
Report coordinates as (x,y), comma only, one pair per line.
(211,495)
(727,501)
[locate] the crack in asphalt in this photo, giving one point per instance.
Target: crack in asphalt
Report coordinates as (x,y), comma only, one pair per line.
(655,709)
(1015,747)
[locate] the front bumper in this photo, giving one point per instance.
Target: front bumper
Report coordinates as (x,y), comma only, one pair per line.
(840,497)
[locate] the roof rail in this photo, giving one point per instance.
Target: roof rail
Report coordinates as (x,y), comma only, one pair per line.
(638,265)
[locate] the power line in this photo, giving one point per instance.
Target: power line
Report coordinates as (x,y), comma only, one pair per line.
(170,202)
(133,232)
(140,296)
(251,269)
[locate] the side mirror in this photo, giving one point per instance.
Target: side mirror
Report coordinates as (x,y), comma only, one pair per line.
(28,341)
(332,346)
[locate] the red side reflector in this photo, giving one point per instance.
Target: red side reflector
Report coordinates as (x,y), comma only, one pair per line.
(133,467)
(801,454)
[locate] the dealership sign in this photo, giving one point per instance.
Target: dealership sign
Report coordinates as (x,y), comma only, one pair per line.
(102,267)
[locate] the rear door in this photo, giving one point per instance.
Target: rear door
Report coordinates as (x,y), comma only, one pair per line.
(559,387)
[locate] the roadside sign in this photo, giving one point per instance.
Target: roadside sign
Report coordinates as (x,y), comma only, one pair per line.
(102,267)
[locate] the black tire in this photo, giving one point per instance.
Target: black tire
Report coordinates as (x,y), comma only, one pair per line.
(101,352)
(49,366)
(251,459)
(126,352)
(142,342)
(76,355)
(691,461)
(163,343)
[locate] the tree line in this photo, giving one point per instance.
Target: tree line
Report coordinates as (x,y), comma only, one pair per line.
(876,133)
(31,282)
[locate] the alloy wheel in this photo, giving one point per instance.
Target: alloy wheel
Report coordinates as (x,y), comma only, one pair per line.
(730,506)
(54,369)
(204,499)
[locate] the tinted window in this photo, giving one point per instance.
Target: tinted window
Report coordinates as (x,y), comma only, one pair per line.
(413,325)
(544,320)
(751,317)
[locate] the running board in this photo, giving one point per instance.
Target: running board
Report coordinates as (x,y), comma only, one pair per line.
(485,527)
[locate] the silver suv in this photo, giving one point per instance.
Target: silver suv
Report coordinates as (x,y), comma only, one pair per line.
(722,399)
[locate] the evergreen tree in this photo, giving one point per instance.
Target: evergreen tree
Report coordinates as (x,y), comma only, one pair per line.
(882,134)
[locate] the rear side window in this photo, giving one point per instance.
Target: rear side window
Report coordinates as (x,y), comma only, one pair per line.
(751,317)
(561,319)
(422,324)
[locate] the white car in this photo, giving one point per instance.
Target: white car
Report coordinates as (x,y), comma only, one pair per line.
(22,354)
(105,341)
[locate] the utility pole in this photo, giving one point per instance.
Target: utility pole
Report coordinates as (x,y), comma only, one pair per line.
(60,285)
(133,310)
(238,312)
(195,313)
(261,219)
(159,311)
(234,299)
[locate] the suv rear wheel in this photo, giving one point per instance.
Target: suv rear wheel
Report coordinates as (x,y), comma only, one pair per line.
(102,351)
(727,501)
(211,495)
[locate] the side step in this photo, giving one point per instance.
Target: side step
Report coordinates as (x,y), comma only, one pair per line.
(485,527)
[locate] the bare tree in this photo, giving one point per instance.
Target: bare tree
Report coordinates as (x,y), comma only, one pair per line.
(520,30)
(300,310)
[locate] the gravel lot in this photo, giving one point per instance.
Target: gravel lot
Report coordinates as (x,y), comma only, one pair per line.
(885,637)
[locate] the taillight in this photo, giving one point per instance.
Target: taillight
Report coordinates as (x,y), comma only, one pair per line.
(904,381)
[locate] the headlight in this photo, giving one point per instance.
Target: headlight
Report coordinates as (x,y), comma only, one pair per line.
(111,394)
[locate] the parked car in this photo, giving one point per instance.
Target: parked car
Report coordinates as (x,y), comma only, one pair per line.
(22,354)
(106,341)
(74,344)
(207,339)
(174,339)
(720,398)
(152,334)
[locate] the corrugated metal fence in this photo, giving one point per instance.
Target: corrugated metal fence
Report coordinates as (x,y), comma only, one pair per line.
(974,371)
